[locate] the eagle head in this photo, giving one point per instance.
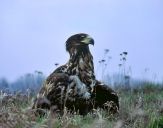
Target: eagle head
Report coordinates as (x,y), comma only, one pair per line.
(78,42)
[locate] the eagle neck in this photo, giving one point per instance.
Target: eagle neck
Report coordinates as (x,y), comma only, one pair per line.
(81,64)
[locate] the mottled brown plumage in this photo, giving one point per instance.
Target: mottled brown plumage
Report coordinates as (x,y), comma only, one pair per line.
(73,85)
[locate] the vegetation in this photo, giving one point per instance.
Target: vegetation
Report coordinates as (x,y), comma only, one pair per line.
(141,103)
(28,82)
(139,108)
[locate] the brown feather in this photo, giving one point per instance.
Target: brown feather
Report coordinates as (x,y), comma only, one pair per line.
(73,85)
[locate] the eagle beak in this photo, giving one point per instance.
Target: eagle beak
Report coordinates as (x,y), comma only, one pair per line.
(88,40)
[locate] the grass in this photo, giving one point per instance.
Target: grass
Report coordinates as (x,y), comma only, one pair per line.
(139,108)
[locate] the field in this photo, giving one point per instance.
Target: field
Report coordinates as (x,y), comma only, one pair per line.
(139,108)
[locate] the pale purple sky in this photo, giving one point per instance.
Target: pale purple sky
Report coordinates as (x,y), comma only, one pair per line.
(33,33)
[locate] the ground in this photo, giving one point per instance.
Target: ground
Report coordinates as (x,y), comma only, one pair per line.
(139,108)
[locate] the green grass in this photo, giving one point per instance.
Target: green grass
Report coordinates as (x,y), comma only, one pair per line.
(140,109)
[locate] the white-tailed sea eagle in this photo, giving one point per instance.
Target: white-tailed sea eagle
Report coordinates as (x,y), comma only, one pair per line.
(74,85)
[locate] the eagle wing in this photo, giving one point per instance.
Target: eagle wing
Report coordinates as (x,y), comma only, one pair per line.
(62,90)
(105,97)
(52,92)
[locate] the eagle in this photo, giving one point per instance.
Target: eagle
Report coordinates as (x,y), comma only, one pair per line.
(74,85)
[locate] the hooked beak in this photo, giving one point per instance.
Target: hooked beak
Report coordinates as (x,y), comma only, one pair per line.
(88,40)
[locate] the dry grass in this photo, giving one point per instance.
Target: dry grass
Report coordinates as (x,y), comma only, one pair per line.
(138,109)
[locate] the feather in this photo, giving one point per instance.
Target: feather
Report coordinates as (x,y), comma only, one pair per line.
(74,85)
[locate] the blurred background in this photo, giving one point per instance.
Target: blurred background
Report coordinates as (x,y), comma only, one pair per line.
(128,39)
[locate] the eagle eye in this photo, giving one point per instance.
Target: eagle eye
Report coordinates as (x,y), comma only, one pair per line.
(81,37)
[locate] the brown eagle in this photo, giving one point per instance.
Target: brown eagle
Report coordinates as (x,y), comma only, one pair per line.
(74,85)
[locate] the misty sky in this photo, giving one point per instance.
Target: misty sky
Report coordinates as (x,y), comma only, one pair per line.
(33,34)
